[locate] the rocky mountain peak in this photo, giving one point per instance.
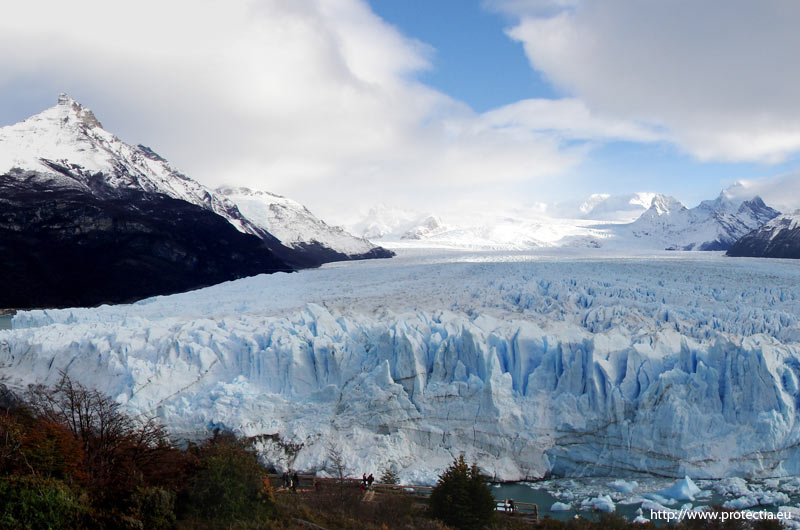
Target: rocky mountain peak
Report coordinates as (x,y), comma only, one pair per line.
(665,204)
(70,108)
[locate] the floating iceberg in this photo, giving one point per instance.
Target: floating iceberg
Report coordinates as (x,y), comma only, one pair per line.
(684,490)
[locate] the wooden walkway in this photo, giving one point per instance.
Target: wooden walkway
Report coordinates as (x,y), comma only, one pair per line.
(523,510)
(307,483)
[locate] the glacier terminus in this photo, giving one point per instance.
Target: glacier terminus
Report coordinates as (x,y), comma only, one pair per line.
(562,362)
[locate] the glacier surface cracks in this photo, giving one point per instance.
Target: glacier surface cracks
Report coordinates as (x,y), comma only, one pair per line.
(670,365)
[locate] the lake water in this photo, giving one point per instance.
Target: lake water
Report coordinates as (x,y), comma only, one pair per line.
(574,491)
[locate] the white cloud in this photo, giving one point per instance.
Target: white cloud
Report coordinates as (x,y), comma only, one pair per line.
(719,76)
(567,118)
(782,192)
(315,99)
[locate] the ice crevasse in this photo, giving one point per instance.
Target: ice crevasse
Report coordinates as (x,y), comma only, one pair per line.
(415,389)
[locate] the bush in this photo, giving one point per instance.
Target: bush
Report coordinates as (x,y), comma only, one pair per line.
(389,476)
(155,508)
(462,498)
(230,486)
(30,502)
(120,452)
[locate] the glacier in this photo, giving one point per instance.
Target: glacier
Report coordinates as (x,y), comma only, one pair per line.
(531,364)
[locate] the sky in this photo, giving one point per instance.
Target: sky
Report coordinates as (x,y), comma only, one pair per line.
(436,105)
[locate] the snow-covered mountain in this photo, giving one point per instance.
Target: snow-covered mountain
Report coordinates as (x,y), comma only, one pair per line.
(712,225)
(88,219)
(427,227)
(605,207)
(779,238)
(297,228)
(401,228)
(66,146)
(527,364)
(635,221)
(384,222)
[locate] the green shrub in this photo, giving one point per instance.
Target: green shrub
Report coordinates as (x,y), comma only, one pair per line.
(33,503)
(230,485)
(155,508)
(462,498)
(389,476)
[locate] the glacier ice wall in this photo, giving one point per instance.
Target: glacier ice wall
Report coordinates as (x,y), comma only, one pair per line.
(668,367)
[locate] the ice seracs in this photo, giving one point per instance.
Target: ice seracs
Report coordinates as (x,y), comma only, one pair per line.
(529,364)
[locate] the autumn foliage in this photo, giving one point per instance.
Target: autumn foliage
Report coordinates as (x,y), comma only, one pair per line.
(71,458)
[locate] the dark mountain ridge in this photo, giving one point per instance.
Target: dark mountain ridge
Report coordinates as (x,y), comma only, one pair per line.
(780,238)
(69,246)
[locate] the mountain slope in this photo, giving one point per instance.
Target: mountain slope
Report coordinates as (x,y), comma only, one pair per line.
(68,143)
(297,228)
(780,238)
(87,219)
(71,246)
(712,225)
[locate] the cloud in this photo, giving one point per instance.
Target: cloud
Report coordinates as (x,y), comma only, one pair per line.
(569,119)
(316,99)
(718,76)
(782,192)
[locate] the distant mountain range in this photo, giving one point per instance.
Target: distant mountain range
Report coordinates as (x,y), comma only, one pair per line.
(88,219)
(644,221)
(712,225)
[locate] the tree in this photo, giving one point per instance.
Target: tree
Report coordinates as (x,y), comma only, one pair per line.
(231,485)
(336,464)
(122,453)
(34,502)
(389,476)
(461,497)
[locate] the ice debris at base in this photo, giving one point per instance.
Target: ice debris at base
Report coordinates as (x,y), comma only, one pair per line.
(560,507)
(794,516)
(600,504)
(526,363)
(731,486)
(577,493)
(757,499)
(685,490)
(623,486)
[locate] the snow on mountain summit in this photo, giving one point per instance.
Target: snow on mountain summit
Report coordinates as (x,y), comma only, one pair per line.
(604,207)
(664,205)
(67,131)
(294,225)
(712,225)
(779,238)
(68,146)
